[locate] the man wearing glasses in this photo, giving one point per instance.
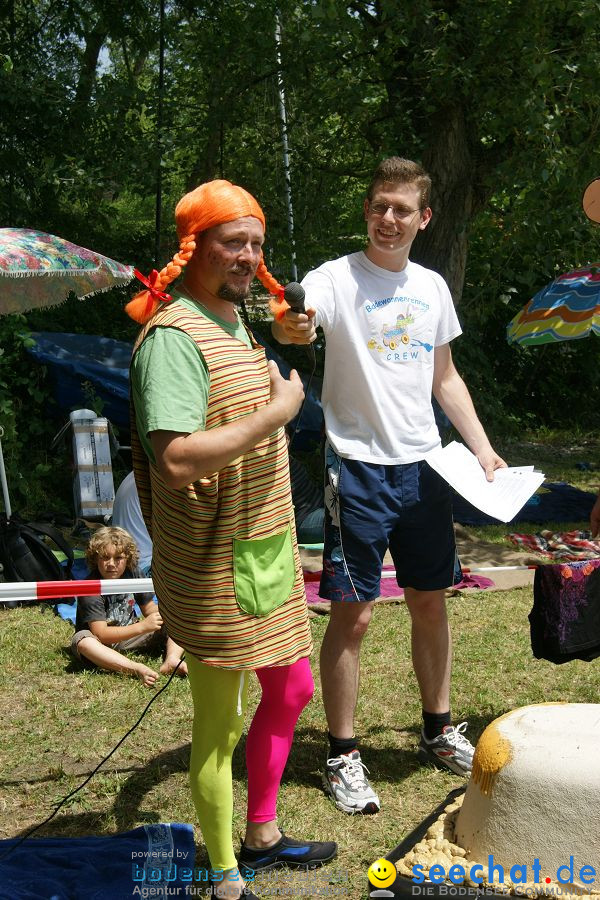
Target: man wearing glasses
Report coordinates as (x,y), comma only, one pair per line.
(388,323)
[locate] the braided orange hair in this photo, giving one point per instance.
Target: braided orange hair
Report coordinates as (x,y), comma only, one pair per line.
(210,204)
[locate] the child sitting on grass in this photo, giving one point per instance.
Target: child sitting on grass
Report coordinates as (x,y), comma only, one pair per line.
(106,627)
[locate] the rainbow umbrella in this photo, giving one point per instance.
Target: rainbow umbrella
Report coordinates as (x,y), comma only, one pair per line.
(566,309)
(39,270)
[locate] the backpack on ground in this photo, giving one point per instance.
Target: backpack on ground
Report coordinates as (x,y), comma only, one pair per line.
(25,555)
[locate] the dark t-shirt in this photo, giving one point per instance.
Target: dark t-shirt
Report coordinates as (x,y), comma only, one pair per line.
(114,609)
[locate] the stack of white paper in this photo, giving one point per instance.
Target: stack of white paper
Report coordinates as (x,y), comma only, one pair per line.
(501,498)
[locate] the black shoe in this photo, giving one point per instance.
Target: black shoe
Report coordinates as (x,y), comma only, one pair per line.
(287,852)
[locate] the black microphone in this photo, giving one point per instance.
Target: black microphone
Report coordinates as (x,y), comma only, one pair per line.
(294,296)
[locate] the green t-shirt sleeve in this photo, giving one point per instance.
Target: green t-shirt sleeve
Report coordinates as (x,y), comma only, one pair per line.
(169,383)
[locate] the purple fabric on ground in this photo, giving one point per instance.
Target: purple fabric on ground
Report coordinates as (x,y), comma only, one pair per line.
(389,587)
(565,617)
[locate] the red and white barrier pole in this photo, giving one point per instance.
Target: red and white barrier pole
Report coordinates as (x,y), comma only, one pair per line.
(468,571)
(391,572)
(57,590)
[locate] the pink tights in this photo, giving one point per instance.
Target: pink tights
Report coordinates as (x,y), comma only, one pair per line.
(286,690)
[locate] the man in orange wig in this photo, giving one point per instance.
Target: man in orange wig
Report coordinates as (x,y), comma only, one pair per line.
(211,466)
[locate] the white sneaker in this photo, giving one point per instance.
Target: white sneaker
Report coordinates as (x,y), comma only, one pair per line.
(345,781)
(449,750)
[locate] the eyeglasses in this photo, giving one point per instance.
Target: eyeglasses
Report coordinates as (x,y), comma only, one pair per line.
(400,213)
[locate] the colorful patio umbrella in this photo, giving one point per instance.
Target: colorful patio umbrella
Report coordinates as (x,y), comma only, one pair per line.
(566,309)
(39,270)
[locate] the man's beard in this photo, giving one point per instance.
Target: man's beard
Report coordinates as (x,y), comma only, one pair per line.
(232,294)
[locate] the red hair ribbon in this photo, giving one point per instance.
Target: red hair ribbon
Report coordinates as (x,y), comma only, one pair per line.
(150,285)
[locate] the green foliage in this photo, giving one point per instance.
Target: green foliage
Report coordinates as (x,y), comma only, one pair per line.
(59,721)
(498,99)
(27,426)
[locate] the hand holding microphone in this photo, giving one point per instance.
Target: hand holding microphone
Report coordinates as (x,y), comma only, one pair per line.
(299,331)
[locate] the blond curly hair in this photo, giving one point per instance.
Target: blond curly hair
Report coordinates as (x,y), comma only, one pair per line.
(113,536)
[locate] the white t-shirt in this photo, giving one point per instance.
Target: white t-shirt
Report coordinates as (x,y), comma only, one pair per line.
(381,329)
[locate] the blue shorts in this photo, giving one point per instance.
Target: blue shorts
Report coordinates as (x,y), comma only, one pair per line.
(370,508)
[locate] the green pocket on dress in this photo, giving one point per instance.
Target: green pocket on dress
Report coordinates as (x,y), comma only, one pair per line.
(263,572)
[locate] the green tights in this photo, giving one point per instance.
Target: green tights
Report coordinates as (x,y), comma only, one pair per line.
(220,698)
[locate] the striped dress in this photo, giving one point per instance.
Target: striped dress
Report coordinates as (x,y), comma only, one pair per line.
(194,529)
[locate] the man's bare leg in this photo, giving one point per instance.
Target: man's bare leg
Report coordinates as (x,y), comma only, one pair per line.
(344,778)
(432,660)
(431,646)
(340,664)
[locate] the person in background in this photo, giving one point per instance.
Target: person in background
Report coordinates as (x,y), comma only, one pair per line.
(309,509)
(127,514)
(107,627)
(308,500)
(388,323)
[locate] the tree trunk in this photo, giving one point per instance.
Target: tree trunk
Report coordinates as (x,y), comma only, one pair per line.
(94,41)
(207,163)
(443,244)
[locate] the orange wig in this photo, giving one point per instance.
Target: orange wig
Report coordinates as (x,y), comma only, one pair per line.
(210,204)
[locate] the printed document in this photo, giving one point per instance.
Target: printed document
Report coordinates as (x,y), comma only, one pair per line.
(501,498)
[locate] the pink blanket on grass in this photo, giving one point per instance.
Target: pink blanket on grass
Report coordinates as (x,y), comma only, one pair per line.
(389,586)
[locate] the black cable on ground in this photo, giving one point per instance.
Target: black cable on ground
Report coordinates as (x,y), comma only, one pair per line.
(91,775)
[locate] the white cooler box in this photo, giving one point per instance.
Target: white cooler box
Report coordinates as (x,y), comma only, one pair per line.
(93,486)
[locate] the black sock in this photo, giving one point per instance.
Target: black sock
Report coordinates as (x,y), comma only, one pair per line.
(434,723)
(337,746)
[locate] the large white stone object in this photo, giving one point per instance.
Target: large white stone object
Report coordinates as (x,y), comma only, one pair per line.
(534,792)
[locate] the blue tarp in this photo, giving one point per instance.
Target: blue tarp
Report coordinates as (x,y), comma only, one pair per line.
(104,362)
(556,502)
(74,359)
(109,867)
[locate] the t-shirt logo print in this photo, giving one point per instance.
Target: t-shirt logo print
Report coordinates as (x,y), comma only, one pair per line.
(394,335)
(397,341)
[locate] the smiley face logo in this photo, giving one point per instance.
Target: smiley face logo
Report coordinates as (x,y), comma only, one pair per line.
(382,873)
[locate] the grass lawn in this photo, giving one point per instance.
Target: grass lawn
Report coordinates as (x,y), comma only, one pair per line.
(573,458)
(59,721)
